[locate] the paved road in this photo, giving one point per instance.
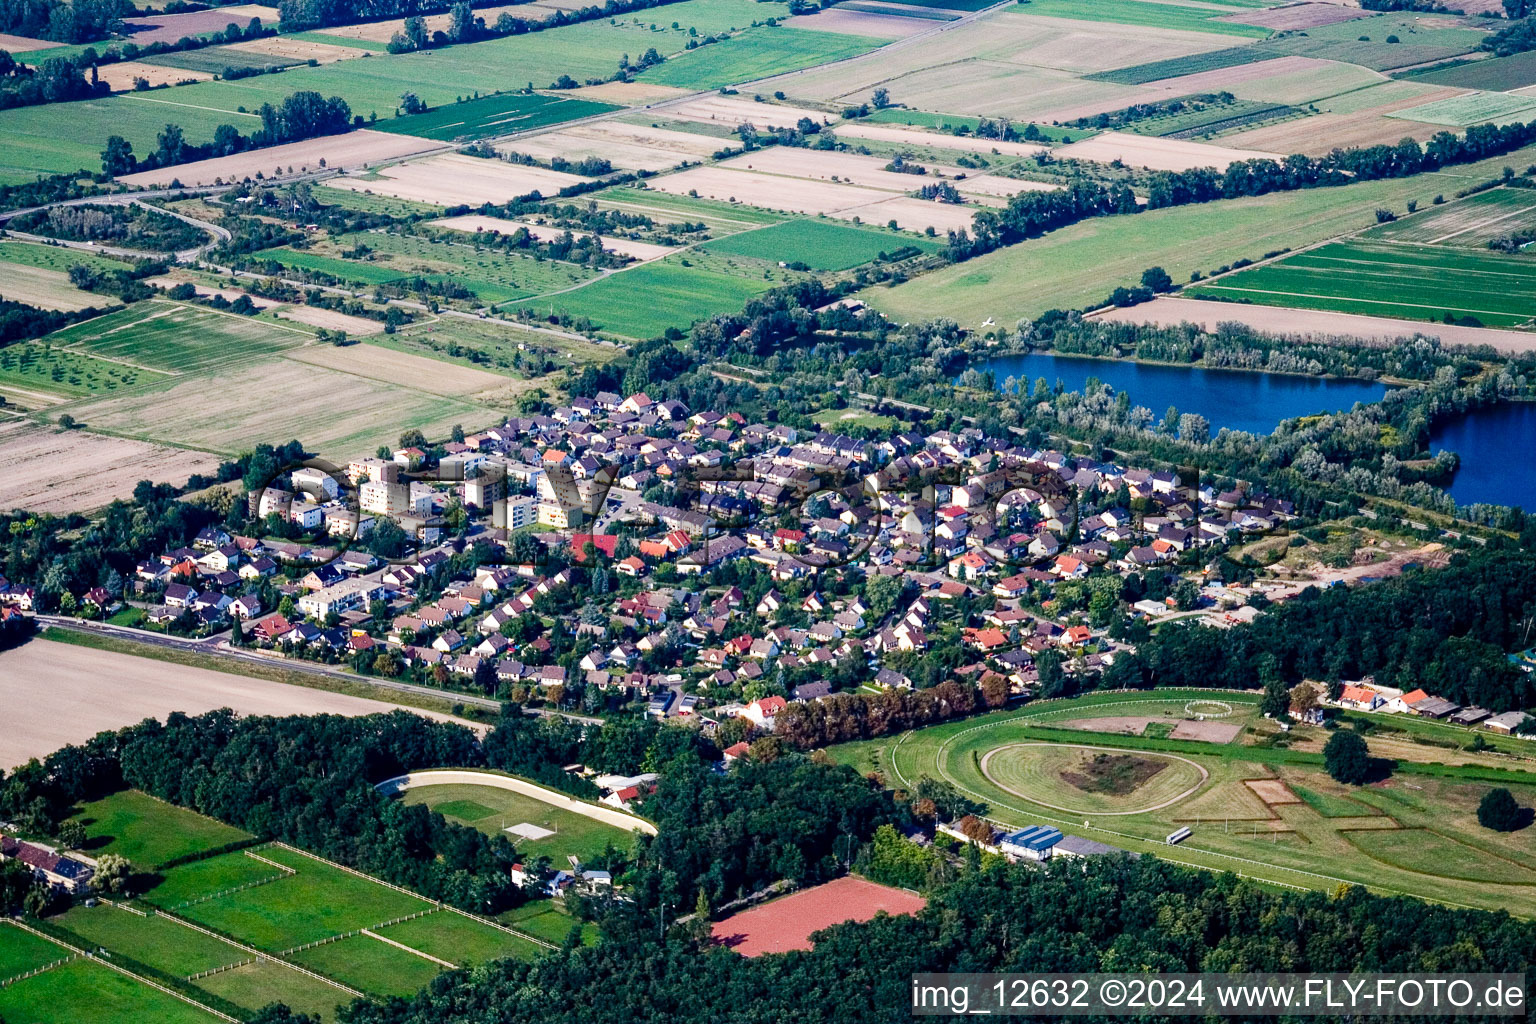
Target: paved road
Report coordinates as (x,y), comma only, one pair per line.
(216,646)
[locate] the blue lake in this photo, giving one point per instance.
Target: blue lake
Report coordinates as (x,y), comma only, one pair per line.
(1497,446)
(1237,399)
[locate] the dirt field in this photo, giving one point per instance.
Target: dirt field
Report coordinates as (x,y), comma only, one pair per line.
(1272,791)
(994,185)
(353,150)
(356,326)
(1206,732)
(918,137)
(1157,154)
(476,222)
(912,214)
(848,168)
(452,179)
(47,471)
(629,94)
(787,923)
(733,110)
(1126,725)
(1319,325)
(631,146)
(90,690)
(168,28)
(1369,126)
(374,362)
(289,48)
(1226,78)
(793,195)
(1297,17)
(24,44)
(172,279)
(861,23)
(47,289)
(119,77)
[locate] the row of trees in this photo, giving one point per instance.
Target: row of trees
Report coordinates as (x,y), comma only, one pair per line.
(304,115)
(56,81)
(64,21)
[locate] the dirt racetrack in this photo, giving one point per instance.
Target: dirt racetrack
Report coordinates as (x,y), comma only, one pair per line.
(347,151)
(43,470)
(88,690)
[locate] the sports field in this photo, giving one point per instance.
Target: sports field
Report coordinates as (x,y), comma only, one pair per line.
(757,53)
(818,244)
(785,924)
(1258,802)
(493,115)
(494,811)
(1385,279)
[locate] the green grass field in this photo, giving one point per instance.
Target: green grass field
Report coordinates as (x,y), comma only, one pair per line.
(1383,279)
(155,941)
(1173,67)
(1152,15)
(256,985)
(1415,45)
(491,809)
(82,991)
(367,203)
(1473,108)
(494,343)
(1265,811)
(1465,223)
(821,245)
(40,366)
(148,831)
(353,271)
(460,940)
(174,337)
(22,951)
(645,301)
(1045,773)
(757,53)
(666,208)
(201,877)
(54,257)
(545,920)
(215,59)
(1076,266)
(493,115)
(373,966)
(844,419)
(1498,74)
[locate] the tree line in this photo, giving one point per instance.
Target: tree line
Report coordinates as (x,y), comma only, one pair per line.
(303,115)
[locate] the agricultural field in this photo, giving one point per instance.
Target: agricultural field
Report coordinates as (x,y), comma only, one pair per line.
(43,368)
(1159,154)
(1473,108)
(957,122)
(1177,67)
(367,203)
(511,349)
(1499,74)
(493,115)
(348,151)
(1384,279)
(672,292)
(1127,769)
(502,812)
(175,338)
(356,272)
(1470,223)
(1216,119)
(215,59)
(495,277)
(39,276)
(455,179)
(818,244)
(1420,40)
(666,208)
(1075,267)
(757,53)
(627,146)
(1150,13)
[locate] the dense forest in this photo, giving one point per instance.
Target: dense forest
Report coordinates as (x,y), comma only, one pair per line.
(63,21)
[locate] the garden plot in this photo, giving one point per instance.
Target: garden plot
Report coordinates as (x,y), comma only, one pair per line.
(453,179)
(120,77)
(792,195)
(630,146)
(734,111)
(350,150)
(544,232)
(917,137)
(1158,154)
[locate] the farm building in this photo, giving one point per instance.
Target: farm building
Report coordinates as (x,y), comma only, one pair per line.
(47,865)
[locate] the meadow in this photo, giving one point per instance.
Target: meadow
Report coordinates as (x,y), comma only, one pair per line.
(1415,45)
(671,292)
(360,272)
(493,115)
(1075,267)
(1261,810)
(1499,73)
(1384,279)
(173,337)
(57,258)
(369,203)
(492,809)
(215,59)
(757,53)
(84,990)
(495,277)
(147,831)
(819,244)
(1465,223)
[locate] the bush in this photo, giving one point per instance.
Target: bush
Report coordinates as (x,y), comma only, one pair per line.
(1347,758)
(1499,811)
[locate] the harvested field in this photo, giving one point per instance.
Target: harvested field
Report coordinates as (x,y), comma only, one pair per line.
(1272,791)
(374,362)
(732,111)
(1316,324)
(995,185)
(352,150)
(1297,17)
(630,146)
(453,179)
(1206,732)
(289,48)
(46,289)
(792,195)
(314,316)
(91,690)
(120,76)
(628,94)
(1259,74)
(917,137)
(848,168)
(1320,133)
(47,471)
(477,222)
(861,23)
(1514,73)
(24,44)
(168,28)
(913,214)
(784,924)
(1158,154)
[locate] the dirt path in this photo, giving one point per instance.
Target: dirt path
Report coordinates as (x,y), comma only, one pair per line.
(987,774)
